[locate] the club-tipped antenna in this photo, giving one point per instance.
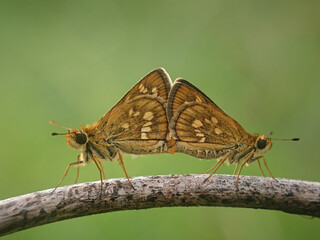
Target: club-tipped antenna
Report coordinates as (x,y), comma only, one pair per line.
(285,139)
(55,134)
(56,124)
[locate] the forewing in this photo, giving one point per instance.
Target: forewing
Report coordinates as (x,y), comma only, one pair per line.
(138,126)
(156,84)
(198,125)
(183,92)
(196,120)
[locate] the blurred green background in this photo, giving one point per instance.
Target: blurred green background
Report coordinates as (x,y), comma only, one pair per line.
(71,61)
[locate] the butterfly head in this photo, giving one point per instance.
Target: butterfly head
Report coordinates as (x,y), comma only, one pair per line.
(263,145)
(75,138)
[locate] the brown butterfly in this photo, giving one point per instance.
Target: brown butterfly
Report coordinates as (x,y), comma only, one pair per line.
(137,124)
(201,129)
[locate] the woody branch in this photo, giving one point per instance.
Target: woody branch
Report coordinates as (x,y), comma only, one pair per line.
(38,208)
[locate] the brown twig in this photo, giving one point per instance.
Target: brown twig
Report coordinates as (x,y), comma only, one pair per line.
(38,208)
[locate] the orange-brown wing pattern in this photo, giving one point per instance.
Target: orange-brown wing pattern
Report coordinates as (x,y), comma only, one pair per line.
(196,120)
(157,84)
(138,125)
(183,92)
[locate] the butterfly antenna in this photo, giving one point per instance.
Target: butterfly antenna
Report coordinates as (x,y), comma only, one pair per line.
(285,139)
(56,124)
(55,134)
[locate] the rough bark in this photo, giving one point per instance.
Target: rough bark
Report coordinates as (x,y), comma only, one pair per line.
(34,209)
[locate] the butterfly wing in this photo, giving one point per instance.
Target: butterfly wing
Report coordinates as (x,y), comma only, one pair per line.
(139,126)
(183,92)
(157,83)
(198,124)
(138,123)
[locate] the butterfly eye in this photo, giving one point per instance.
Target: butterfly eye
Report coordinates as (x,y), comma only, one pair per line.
(261,143)
(81,138)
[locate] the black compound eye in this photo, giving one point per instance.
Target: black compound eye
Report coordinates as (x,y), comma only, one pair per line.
(81,138)
(261,143)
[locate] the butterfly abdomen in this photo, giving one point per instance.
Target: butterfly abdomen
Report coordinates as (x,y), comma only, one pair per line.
(200,153)
(138,147)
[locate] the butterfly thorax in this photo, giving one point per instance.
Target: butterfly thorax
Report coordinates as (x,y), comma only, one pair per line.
(91,145)
(252,149)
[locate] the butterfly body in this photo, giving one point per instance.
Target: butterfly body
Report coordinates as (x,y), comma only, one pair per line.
(158,117)
(201,129)
(237,151)
(137,124)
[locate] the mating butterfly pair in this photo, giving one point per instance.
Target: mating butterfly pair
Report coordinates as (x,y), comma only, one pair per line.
(158,117)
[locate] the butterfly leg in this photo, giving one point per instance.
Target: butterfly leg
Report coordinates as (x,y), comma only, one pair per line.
(99,166)
(78,163)
(123,168)
(260,167)
(248,158)
(220,162)
(235,170)
(210,169)
(103,174)
(265,164)
(78,169)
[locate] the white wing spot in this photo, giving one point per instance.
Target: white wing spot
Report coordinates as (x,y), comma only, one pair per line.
(141,88)
(200,134)
(148,116)
(207,121)
(130,112)
(144,135)
(197,130)
(197,123)
(218,131)
(154,91)
(125,125)
(136,114)
(145,90)
(202,139)
(147,124)
(146,129)
(198,99)
(214,120)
